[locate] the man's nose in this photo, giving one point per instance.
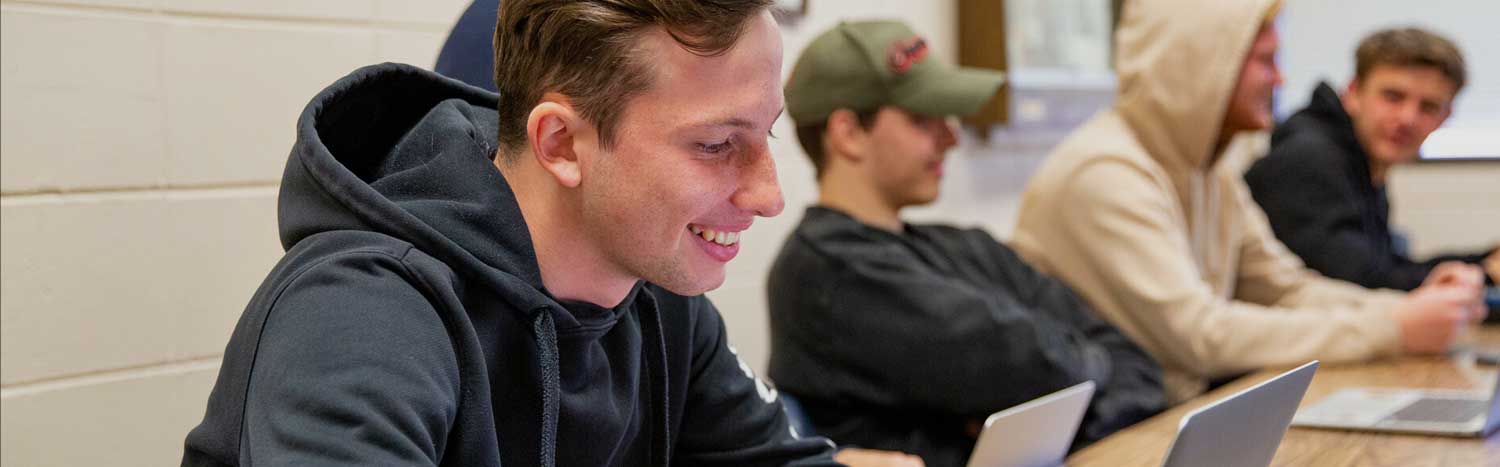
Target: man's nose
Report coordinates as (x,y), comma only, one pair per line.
(760,191)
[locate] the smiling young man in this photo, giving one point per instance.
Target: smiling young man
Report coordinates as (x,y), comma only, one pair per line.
(1135,213)
(1323,183)
(453,298)
(904,337)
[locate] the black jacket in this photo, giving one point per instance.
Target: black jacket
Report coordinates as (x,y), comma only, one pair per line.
(903,342)
(1316,190)
(408,325)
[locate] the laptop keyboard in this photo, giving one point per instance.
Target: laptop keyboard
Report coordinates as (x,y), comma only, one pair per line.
(1442,410)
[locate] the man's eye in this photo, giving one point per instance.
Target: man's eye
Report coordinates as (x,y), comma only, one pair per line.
(715,148)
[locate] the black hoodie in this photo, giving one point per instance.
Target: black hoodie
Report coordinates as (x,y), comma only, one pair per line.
(408,325)
(1316,190)
(898,341)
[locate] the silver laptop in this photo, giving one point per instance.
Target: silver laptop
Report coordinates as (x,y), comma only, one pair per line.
(1242,430)
(1034,434)
(1437,412)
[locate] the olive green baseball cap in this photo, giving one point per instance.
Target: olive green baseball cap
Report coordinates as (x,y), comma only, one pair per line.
(864,65)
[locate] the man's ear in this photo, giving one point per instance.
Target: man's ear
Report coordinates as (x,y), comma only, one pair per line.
(1350,97)
(552,128)
(845,136)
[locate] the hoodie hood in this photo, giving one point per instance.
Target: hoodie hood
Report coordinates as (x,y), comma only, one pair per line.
(1177,64)
(1325,115)
(408,153)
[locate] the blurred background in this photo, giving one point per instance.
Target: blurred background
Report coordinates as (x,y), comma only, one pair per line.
(143,141)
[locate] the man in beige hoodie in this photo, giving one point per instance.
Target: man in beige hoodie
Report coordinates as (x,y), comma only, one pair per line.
(1132,211)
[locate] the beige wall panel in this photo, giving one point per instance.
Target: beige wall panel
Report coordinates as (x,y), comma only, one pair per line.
(439,14)
(85,119)
(419,48)
(237,89)
(1445,207)
(331,10)
(132,4)
(96,282)
(121,421)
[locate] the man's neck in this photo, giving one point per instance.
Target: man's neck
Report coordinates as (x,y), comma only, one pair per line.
(1222,144)
(1378,171)
(860,201)
(571,264)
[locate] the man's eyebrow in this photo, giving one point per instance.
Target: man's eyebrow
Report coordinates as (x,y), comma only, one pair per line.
(737,122)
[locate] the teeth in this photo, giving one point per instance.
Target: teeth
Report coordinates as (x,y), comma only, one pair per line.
(722,238)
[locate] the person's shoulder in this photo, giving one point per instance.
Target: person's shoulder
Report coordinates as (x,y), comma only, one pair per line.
(349,324)
(969,236)
(357,282)
(1303,145)
(1113,180)
(828,238)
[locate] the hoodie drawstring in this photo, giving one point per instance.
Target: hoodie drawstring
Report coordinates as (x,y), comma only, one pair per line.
(655,348)
(546,335)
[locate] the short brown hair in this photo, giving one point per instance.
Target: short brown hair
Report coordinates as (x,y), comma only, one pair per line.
(1410,47)
(810,136)
(585,49)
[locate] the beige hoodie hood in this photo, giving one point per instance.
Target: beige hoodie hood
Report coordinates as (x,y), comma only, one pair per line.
(1177,62)
(1130,211)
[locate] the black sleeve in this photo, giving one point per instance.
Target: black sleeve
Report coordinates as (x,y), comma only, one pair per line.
(1129,388)
(353,367)
(1471,258)
(893,334)
(732,418)
(1314,209)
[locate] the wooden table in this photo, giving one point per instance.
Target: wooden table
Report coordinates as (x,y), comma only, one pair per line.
(1145,444)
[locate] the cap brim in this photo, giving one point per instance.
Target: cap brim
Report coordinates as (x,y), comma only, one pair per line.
(955,91)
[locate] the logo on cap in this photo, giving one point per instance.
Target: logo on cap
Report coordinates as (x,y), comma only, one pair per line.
(902,54)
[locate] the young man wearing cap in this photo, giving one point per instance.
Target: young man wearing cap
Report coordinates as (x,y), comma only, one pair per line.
(901,336)
(1133,212)
(1323,183)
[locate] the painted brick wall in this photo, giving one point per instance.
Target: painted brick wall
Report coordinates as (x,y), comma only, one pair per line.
(143,143)
(143,140)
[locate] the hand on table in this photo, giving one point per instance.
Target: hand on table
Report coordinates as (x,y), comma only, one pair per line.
(1465,277)
(1430,318)
(856,457)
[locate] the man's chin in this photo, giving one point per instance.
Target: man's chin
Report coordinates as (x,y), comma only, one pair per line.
(691,286)
(1391,155)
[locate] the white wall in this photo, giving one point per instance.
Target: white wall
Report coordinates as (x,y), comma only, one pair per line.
(143,143)
(1318,38)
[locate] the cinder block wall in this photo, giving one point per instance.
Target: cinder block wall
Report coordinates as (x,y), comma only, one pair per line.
(142,145)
